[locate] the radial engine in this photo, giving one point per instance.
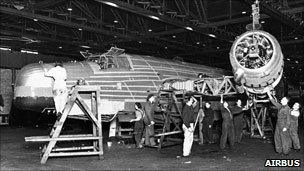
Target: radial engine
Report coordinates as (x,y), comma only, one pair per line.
(256,58)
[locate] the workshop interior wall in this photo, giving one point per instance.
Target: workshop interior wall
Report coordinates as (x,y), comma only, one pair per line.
(7,77)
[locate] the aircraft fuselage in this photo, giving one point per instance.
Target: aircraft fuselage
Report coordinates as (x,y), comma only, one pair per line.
(129,79)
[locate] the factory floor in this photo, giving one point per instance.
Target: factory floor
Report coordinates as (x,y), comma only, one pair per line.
(16,154)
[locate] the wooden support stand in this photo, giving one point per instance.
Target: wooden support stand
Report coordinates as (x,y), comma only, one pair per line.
(97,147)
(168,120)
(260,121)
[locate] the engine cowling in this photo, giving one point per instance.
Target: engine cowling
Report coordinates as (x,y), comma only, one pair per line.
(257,61)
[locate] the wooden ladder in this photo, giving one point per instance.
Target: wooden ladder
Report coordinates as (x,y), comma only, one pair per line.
(93,115)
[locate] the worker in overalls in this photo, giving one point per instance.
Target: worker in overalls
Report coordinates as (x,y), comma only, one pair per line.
(59,74)
(238,120)
(200,116)
(149,120)
(227,125)
(138,125)
(282,138)
(207,123)
(294,115)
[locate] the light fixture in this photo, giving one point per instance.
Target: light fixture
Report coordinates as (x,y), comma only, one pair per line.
(174,36)
(60,47)
(296,62)
(115,21)
(111,4)
(19,7)
(189,28)
(263,22)
(84,46)
(288,59)
(4,48)
(244,12)
(35,19)
(28,51)
(204,44)
(197,43)
(150,30)
(217,47)
(70,6)
(79,29)
(296,38)
(139,42)
(154,17)
(115,36)
(212,35)
(166,47)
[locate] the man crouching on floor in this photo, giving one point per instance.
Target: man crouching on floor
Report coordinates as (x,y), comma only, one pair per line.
(188,125)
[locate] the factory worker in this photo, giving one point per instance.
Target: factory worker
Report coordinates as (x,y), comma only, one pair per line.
(149,120)
(227,125)
(59,75)
(207,123)
(188,125)
(282,138)
(138,125)
(238,121)
(294,115)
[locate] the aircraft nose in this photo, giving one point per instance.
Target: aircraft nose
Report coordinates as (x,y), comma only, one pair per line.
(31,82)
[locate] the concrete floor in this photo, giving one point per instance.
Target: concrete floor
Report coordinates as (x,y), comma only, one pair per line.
(16,154)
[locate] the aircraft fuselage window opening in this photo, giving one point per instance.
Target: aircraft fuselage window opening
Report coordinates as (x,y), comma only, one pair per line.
(110,62)
(106,62)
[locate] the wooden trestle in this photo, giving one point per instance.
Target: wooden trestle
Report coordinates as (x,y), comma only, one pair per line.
(260,119)
(93,115)
(168,117)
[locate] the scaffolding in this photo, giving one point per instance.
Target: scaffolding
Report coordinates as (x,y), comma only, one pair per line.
(171,97)
(260,121)
(50,150)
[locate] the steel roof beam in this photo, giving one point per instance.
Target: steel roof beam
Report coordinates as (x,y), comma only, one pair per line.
(77,26)
(43,38)
(146,13)
(168,32)
(43,4)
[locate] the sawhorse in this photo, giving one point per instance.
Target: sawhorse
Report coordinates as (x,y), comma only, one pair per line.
(93,115)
